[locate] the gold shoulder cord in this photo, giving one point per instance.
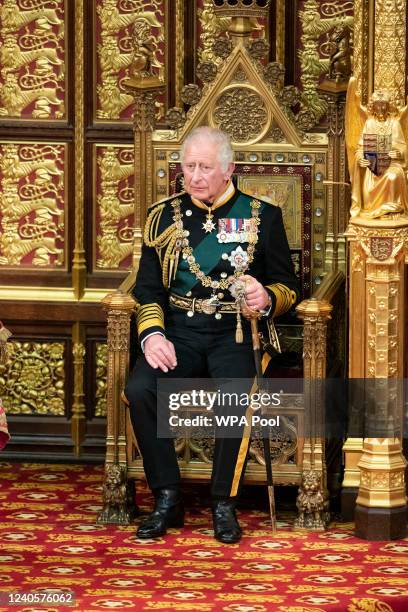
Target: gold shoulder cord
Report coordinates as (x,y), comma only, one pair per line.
(164,243)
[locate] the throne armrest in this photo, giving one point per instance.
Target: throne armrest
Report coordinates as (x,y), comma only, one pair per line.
(119,307)
(315,314)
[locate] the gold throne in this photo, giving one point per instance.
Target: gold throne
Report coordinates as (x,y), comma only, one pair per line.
(276,160)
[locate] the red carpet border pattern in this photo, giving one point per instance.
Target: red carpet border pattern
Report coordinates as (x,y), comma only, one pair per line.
(49,540)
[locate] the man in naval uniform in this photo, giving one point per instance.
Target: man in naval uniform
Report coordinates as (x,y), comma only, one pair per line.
(198,246)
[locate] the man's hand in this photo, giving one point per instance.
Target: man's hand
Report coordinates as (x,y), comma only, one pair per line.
(160,353)
(256,296)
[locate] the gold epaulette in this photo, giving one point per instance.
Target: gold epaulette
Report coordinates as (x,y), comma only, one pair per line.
(164,242)
(285,298)
(166,199)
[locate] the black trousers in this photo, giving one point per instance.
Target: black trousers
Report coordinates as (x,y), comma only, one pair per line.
(205,347)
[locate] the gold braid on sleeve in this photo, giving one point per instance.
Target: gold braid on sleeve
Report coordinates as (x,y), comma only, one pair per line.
(285,298)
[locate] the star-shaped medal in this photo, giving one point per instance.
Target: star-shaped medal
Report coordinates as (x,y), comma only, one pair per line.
(208,225)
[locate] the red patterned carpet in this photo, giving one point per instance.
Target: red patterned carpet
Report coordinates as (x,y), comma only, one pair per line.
(49,540)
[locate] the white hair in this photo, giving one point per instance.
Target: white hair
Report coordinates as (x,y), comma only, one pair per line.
(219,138)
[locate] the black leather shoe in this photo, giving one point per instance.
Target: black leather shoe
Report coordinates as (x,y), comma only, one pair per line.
(226,527)
(168,512)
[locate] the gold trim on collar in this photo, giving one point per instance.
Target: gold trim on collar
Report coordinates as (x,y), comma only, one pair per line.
(222,199)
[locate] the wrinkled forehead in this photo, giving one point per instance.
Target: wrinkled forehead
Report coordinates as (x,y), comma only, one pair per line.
(202,150)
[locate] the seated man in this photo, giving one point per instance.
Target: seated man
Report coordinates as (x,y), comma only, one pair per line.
(196,246)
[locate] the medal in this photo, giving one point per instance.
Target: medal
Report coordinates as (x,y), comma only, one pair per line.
(209,225)
(239,258)
(236,230)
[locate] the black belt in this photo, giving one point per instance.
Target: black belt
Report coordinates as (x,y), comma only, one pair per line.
(207,306)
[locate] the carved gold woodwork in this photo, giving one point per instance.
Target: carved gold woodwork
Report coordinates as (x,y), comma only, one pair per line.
(390,48)
(119,307)
(78,260)
(114,214)
(131,36)
(377,290)
(313,506)
(211,27)
(352,448)
(101,365)
(32,58)
(180,50)
(280,31)
(145,89)
(377,257)
(33,380)
(78,417)
(315,52)
(337,182)
(32,205)
(241,112)
(382,466)
(283,441)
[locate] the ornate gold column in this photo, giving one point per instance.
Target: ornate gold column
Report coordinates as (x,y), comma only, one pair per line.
(315,314)
(78,420)
(118,492)
(390,47)
(280,31)
(78,262)
(338,191)
(377,248)
(377,290)
(144,96)
(144,85)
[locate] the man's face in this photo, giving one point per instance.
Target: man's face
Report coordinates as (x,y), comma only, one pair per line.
(203,176)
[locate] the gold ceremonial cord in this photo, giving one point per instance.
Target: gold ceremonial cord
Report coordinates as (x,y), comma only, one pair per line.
(164,243)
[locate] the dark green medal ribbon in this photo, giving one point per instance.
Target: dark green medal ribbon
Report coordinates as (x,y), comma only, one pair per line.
(209,251)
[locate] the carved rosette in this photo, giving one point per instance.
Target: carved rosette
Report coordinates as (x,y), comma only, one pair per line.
(274,73)
(206,71)
(32,206)
(258,48)
(114,211)
(289,96)
(176,117)
(222,47)
(191,94)
(241,113)
(33,380)
(130,35)
(33,50)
